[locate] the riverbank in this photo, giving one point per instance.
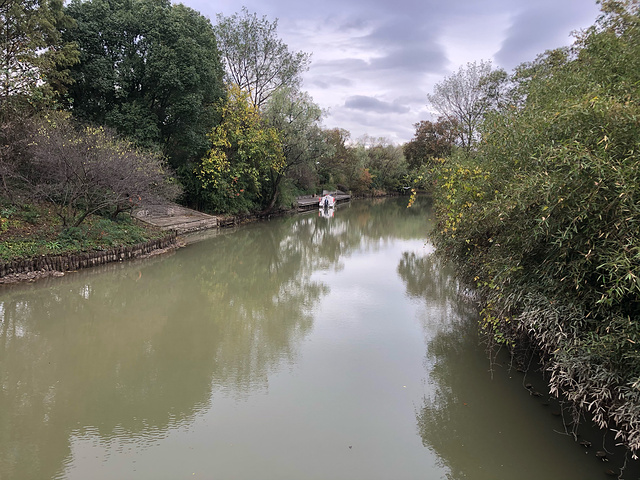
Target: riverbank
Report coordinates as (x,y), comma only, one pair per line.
(32,269)
(34,245)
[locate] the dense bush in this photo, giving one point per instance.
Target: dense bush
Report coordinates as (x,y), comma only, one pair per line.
(82,171)
(545,218)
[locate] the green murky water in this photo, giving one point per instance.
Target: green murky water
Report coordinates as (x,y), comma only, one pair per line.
(301,348)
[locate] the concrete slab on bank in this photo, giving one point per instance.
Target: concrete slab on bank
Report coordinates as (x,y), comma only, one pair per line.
(171,216)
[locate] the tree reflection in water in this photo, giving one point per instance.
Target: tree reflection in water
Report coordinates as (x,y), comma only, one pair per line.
(450,331)
(480,425)
(133,350)
(124,353)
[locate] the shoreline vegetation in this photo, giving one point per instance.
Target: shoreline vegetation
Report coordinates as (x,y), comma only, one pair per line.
(94,123)
(541,218)
(34,244)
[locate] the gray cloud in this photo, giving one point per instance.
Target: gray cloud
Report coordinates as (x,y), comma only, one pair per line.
(371,104)
(328,81)
(412,60)
(365,51)
(397,132)
(540,27)
(341,64)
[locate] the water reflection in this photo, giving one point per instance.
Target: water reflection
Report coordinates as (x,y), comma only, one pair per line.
(138,352)
(133,350)
(477,417)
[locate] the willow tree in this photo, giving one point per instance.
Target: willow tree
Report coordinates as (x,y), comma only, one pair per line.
(297,119)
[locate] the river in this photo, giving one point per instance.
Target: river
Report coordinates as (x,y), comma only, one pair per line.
(300,348)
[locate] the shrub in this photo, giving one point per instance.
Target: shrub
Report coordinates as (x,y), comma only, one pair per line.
(87,170)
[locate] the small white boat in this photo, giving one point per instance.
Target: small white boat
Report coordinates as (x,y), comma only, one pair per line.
(327,202)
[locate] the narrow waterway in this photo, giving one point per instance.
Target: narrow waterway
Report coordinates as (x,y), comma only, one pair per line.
(301,348)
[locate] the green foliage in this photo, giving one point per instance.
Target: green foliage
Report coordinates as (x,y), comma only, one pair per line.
(345,166)
(30,214)
(12,215)
(332,167)
(34,58)
(237,171)
(71,236)
(148,69)
(297,119)
(34,62)
(545,218)
(385,165)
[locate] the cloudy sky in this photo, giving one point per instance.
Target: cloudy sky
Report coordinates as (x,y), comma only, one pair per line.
(374,61)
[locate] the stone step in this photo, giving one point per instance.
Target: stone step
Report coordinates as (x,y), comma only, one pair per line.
(175,217)
(192,226)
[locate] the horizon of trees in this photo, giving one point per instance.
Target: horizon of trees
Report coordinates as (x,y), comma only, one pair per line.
(164,85)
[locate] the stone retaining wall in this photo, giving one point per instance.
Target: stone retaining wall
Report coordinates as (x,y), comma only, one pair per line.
(65,263)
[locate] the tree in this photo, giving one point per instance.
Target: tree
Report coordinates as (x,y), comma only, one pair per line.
(255,58)
(385,163)
(344,166)
(297,119)
(331,167)
(148,69)
(431,140)
(34,65)
(89,170)
(465,97)
(245,154)
(33,55)
(527,73)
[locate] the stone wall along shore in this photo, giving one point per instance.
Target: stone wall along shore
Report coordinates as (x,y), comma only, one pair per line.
(66,263)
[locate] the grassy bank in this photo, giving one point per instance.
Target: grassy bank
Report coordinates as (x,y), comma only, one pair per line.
(29,230)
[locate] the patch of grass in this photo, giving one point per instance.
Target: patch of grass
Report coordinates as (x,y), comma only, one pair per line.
(31,230)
